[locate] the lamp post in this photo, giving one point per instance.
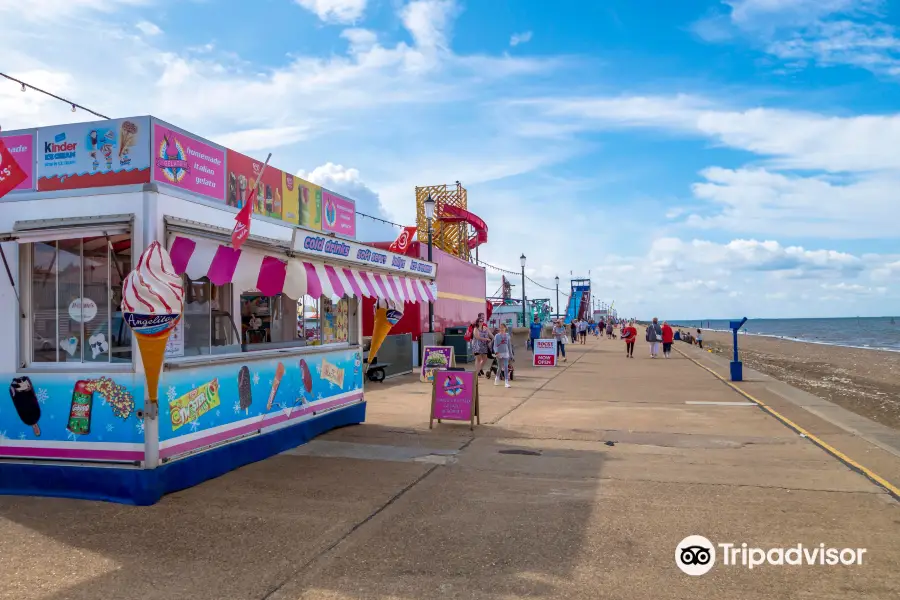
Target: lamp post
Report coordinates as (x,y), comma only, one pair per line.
(429,215)
(524,318)
(557,296)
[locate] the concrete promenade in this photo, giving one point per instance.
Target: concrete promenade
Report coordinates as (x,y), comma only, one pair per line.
(579,483)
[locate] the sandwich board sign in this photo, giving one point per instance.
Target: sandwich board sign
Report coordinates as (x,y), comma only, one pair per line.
(436,358)
(454,397)
(544,353)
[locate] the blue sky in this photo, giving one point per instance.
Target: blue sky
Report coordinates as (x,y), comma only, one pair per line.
(701,159)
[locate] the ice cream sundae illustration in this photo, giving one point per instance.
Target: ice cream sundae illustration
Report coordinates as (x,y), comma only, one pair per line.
(152,304)
(127,136)
(107,149)
(171,160)
(330,213)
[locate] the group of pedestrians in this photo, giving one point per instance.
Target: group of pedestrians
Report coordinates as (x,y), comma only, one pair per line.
(657,334)
(487,344)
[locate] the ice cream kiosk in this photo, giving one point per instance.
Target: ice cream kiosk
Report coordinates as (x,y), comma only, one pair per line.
(121,268)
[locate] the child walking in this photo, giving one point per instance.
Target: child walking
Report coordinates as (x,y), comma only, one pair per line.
(503,350)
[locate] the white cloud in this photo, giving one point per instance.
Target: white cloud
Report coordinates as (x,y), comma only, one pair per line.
(825,32)
(335,11)
(347,181)
(699,285)
(755,200)
(793,139)
(520,38)
(853,288)
(754,255)
(56,10)
(428,21)
(361,40)
(857,153)
(252,140)
(148,28)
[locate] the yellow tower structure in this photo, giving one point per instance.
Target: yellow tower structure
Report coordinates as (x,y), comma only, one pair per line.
(451,237)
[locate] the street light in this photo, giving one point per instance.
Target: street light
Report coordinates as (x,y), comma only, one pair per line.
(524,318)
(429,215)
(557,296)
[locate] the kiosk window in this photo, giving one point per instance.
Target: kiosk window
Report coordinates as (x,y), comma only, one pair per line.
(266,319)
(309,321)
(335,319)
(75,295)
(208,326)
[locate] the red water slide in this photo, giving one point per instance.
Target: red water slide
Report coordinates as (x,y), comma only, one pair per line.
(455,214)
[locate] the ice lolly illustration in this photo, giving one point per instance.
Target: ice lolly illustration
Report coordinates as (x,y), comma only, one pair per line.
(306,376)
(245,392)
(25,400)
(386,316)
(279,373)
(81,408)
(152,303)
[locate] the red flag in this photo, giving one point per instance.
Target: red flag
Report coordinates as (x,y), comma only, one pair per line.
(241,230)
(403,242)
(11,174)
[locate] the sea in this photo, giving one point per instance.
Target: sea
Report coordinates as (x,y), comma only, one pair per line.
(877,333)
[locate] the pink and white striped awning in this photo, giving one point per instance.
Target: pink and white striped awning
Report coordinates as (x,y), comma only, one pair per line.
(295,277)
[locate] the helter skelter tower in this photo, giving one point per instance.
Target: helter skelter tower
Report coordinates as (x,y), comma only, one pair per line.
(452,220)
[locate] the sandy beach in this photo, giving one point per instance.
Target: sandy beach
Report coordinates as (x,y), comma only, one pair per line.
(866,382)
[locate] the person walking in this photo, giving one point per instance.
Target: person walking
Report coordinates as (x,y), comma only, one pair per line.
(559,332)
(534,331)
(609,330)
(700,339)
(582,331)
(668,336)
(481,343)
(654,336)
(629,334)
(503,350)
(574,328)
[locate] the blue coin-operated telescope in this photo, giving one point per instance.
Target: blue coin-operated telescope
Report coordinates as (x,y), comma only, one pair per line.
(737,369)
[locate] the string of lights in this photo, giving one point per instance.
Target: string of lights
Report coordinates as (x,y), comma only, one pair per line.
(74,105)
(379,219)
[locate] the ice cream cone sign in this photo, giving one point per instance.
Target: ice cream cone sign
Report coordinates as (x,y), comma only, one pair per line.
(152,304)
(387,314)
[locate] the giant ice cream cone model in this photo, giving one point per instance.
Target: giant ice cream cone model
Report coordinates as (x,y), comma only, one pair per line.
(386,316)
(152,302)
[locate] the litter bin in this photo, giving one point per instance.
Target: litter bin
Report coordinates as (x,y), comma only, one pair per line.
(455,337)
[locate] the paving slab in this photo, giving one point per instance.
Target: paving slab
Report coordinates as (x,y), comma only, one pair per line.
(579,484)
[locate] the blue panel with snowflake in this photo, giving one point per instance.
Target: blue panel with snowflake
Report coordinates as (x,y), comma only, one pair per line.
(253,393)
(80,408)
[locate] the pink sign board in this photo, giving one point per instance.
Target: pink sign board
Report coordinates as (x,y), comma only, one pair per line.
(22,149)
(338,214)
(454,395)
(185,162)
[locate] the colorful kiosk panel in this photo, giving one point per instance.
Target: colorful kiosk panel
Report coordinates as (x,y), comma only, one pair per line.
(74,422)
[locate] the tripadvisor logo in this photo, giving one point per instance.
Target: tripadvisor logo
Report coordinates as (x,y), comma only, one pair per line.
(696,555)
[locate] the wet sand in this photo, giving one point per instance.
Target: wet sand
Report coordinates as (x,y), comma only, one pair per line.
(866,382)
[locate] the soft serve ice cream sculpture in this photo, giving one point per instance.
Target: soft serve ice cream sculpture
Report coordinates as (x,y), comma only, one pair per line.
(152,302)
